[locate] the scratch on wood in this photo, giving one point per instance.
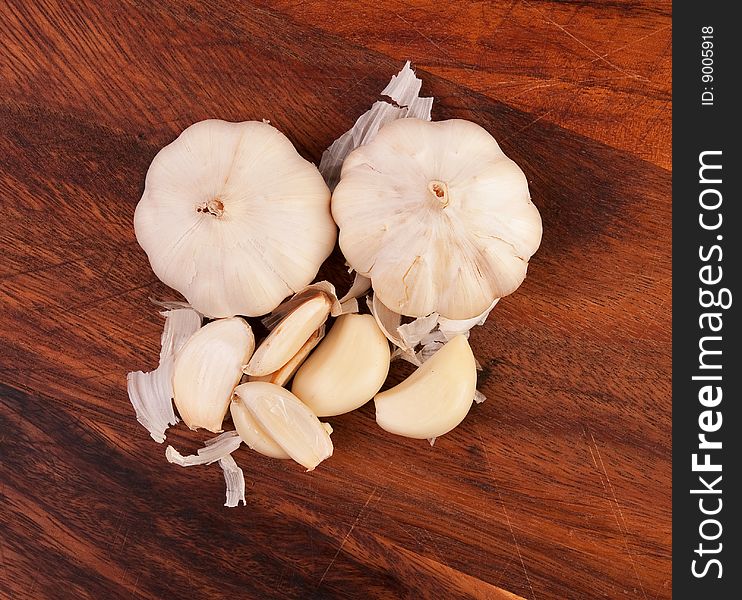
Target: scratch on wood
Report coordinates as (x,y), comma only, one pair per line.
(584,45)
(631,43)
(429,40)
(507,517)
(530,124)
(623,529)
(136,585)
(517,546)
(347,535)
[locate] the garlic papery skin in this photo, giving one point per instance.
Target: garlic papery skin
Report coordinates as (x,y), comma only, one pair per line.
(283,375)
(208,368)
(288,421)
(435,398)
(289,336)
(252,433)
(346,370)
(151,393)
(234,479)
(234,218)
(451,328)
(437,216)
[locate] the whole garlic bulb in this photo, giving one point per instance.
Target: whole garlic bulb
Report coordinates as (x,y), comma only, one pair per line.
(234,218)
(437,217)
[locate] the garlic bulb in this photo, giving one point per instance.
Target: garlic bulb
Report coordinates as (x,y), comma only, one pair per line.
(208,368)
(435,398)
(234,218)
(288,421)
(437,217)
(346,370)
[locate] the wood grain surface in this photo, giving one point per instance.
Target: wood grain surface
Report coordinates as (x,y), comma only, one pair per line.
(557,487)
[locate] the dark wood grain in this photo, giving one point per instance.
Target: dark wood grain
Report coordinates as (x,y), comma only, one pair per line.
(557,487)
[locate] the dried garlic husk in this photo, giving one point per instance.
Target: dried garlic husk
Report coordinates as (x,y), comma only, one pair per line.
(213,450)
(360,286)
(151,393)
(288,421)
(346,370)
(234,479)
(234,218)
(250,431)
(404,89)
(208,368)
(218,449)
(437,216)
(289,336)
(450,328)
(435,398)
(388,321)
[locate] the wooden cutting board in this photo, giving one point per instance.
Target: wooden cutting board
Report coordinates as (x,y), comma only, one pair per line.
(558,486)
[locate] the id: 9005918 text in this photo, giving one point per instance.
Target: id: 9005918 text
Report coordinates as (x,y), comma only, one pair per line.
(707,65)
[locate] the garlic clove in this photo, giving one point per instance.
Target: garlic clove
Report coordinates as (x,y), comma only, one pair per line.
(234,218)
(289,336)
(435,398)
(250,431)
(283,375)
(288,421)
(208,368)
(437,216)
(311,291)
(347,369)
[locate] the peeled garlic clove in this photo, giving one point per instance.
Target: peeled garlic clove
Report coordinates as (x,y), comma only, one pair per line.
(207,369)
(286,372)
(347,369)
(435,398)
(234,218)
(289,336)
(250,431)
(437,216)
(288,421)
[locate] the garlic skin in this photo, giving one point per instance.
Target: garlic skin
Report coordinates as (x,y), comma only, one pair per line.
(288,421)
(234,218)
(437,217)
(151,393)
(289,336)
(347,369)
(250,431)
(435,398)
(208,368)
